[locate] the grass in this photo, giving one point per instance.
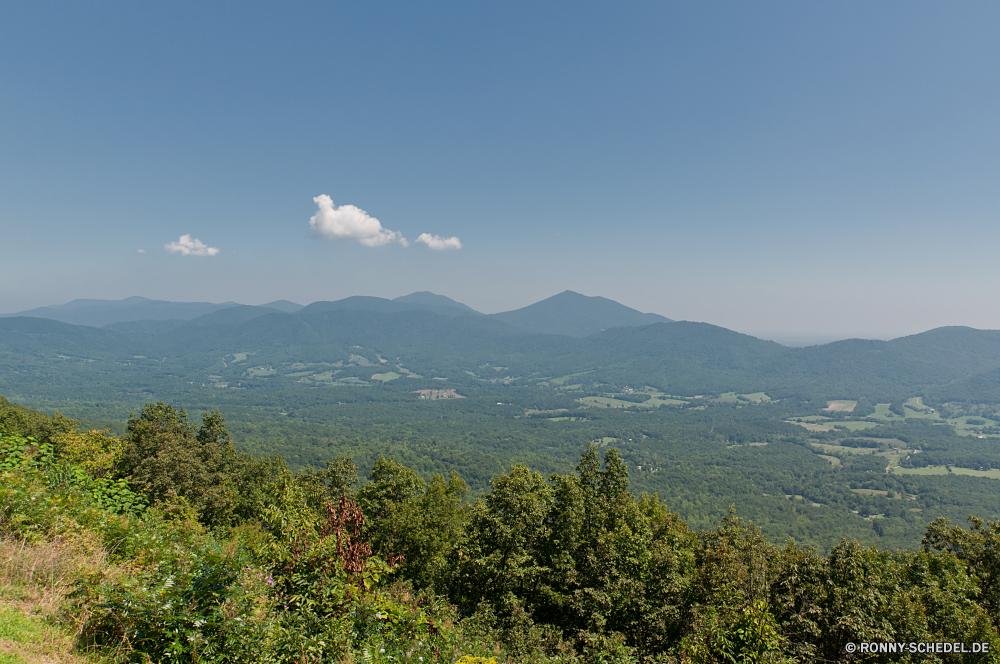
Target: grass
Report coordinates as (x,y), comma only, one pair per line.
(664,400)
(855,426)
(562,379)
(942,470)
(360,360)
(34,581)
(386,377)
(326,376)
(882,413)
(609,402)
(810,426)
(843,406)
(826,447)
(871,492)
(257,372)
(27,639)
(918,414)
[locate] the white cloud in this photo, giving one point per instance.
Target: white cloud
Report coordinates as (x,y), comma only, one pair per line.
(440,243)
(349,222)
(186,246)
(142,251)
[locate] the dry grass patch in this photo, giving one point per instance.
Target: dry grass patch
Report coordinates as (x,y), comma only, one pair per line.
(34,582)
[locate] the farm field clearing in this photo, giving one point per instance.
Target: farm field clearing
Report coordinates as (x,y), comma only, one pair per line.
(810,426)
(842,406)
(871,492)
(993,473)
(386,377)
(609,402)
(855,426)
(826,447)
(561,380)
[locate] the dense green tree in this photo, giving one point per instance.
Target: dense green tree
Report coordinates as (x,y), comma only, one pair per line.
(166,458)
(19,421)
(411,523)
(979,549)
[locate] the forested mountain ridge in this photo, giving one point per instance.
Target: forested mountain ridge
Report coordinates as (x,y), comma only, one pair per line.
(677,357)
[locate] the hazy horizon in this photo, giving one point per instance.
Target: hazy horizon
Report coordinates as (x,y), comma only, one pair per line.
(796,171)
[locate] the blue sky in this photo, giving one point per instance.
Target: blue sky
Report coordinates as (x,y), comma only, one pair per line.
(811,169)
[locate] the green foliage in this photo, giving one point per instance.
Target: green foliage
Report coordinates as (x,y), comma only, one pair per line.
(568,567)
(45,494)
(166,459)
(411,522)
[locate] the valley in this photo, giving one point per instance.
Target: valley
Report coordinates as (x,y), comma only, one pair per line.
(703,416)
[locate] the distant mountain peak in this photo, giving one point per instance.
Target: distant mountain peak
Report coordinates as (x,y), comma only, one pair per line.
(287,306)
(577,315)
(432,299)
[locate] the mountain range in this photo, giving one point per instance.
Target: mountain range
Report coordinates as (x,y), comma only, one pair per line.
(567,334)
(567,313)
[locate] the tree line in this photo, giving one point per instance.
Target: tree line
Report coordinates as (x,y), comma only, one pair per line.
(235,558)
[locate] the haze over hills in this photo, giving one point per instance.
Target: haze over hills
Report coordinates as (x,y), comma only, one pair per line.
(97,313)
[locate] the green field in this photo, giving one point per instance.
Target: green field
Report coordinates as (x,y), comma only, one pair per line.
(664,400)
(561,381)
(942,470)
(386,377)
(843,406)
(608,402)
(848,450)
(855,426)
(870,492)
(810,426)
(882,413)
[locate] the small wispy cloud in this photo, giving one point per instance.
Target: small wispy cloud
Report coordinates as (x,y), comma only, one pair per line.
(188,246)
(141,251)
(439,243)
(349,222)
